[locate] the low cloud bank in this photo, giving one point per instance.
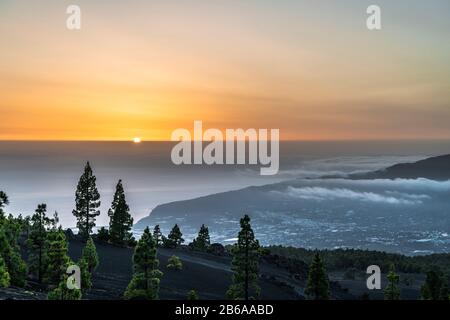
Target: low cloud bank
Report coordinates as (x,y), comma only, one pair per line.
(405,184)
(324,194)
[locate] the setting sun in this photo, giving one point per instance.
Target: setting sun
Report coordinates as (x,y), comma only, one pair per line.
(137,140)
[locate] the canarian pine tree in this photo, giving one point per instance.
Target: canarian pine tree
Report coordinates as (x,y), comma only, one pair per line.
(15,266)
(202,242)
(86,276)
(246,253)
(63,292)
(392,292)
(157,235)
(317,285)
(435,286)
(88,263)
(37,241)
(87,202)
(175,237)
(58,263)
(90,255)
(58,260)
(9,250)
(20,224)
(146,277)
(3,202)
(4,274)
(26,226)
(120,219)
(12,227)
(103,234)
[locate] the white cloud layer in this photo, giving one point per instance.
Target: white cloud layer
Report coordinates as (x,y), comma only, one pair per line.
(405,184)
(323,194)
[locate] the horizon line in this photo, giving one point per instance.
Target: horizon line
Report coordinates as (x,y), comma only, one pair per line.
(281,140)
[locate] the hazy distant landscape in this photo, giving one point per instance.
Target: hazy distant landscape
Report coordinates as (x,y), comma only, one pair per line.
(237,150)
(405,216)
(295,208)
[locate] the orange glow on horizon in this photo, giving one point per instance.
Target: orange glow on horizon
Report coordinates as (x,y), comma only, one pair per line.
(164,66)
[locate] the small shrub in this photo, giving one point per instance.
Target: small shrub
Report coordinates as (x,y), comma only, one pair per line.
(4,275)
(192,295)
(103,234)
(132,242)
(174,263)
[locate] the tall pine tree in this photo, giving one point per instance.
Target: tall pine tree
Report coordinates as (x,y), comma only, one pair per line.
(58,260)
(246,253)
(392,292)
(202,242)
(58,263)
(157,235)
(37,241)
(120,219)
(175,237)
(146,277)
(317,285)
(87,202)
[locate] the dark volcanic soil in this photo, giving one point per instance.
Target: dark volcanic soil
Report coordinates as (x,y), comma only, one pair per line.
(208,274)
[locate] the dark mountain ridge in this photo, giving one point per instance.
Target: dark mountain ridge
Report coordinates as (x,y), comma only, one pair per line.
(372,211)
(434,168)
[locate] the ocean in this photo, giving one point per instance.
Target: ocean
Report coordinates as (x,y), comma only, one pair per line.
(48,172)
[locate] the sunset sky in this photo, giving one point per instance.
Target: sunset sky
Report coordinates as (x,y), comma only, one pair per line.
(145,68)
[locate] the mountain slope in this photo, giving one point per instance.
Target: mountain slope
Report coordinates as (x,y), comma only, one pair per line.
(368,211)
(435,168)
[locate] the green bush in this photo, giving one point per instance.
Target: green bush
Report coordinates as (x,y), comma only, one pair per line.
(174,263)
(192,295)
(103,234)
(61,292)
(4,275)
